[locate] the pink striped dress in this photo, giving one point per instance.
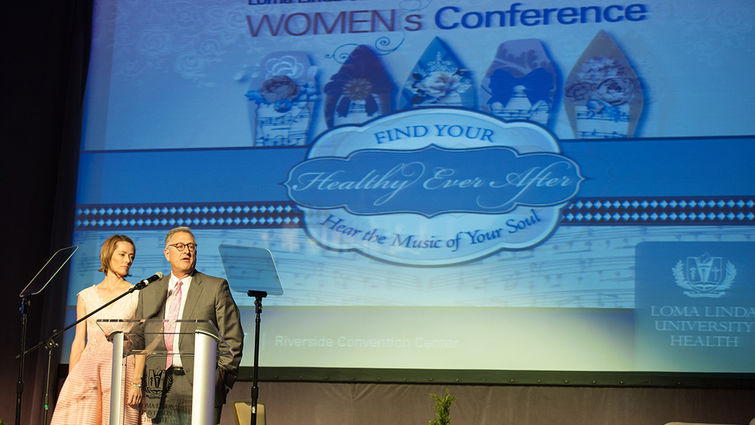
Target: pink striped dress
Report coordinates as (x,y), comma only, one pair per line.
(85,396)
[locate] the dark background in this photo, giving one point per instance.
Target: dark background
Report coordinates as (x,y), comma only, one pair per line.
(45,49)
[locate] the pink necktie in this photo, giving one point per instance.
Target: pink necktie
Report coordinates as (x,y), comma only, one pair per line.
(170,325)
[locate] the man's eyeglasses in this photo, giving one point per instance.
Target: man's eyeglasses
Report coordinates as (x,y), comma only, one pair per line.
(180,246)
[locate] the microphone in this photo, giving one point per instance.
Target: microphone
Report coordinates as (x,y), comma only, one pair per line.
(149,280)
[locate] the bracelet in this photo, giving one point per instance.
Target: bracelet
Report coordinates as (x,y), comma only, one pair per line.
(137,385)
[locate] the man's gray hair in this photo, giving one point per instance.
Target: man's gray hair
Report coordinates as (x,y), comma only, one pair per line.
(179,229)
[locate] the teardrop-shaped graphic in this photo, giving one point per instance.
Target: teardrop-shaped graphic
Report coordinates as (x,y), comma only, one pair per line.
(281,99)
(439,79)
(520,82)
(359,91)
(603,96)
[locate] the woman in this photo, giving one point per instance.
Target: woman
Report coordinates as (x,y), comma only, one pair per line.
(85,396)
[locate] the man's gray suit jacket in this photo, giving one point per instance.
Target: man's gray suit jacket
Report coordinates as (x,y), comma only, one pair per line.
(208,298)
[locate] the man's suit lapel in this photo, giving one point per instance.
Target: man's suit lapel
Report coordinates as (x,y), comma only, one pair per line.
(194,295)
(162,295)
(156,311)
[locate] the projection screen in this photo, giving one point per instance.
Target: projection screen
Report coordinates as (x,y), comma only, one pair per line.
(495,185)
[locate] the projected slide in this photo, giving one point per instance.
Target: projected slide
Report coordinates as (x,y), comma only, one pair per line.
(508,185)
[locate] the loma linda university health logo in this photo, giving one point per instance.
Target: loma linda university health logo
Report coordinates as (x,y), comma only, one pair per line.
(433,186)
(704,276)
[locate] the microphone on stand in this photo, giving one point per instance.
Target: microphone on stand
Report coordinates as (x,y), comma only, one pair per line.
(148,280)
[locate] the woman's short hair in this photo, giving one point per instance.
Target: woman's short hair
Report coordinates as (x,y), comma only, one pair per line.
(108,248)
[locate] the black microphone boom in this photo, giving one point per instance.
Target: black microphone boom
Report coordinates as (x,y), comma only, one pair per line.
(148,280)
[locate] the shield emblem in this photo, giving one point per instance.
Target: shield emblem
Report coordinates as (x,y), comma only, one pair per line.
(705,273)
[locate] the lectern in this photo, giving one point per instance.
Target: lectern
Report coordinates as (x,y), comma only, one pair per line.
(145,338)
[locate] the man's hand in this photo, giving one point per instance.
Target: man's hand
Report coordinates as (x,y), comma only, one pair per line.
(133,394)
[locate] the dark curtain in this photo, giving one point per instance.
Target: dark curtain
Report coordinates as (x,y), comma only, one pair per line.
(46,52)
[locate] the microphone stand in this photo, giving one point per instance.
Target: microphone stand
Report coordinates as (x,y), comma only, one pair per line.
(24,309)
(37,284)
(50,344)
(258,295)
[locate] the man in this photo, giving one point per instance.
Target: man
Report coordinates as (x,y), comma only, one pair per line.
(188,295)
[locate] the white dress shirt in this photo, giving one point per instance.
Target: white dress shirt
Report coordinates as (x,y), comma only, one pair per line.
(185,284)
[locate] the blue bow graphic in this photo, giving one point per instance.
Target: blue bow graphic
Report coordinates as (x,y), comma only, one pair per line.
(537,86)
